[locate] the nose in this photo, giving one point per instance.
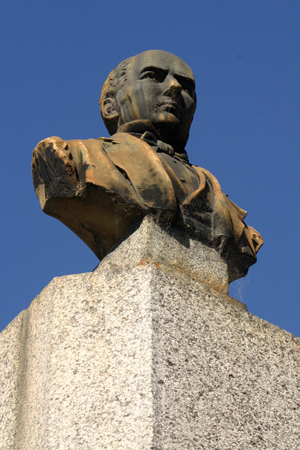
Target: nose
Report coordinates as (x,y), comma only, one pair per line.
(173,89)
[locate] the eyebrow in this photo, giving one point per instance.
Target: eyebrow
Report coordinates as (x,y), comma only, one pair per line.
(165,72)
(155,69)
(182,78)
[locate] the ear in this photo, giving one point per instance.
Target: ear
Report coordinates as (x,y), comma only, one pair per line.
(110,112)
(110,109)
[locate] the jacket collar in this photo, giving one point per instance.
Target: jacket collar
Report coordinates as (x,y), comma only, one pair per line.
(145,129)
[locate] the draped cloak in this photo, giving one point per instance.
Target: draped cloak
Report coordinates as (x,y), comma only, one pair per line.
(101,188)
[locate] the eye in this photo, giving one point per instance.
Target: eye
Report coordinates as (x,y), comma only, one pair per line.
(155,76)
(188,87)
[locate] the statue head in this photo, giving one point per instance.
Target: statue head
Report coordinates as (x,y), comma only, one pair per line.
(153,85)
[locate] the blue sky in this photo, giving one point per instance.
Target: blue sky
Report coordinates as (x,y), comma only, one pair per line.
(245,56)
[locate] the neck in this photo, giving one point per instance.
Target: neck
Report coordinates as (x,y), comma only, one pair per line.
(139,127)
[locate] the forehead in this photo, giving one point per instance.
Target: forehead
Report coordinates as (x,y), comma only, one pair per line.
(161,60)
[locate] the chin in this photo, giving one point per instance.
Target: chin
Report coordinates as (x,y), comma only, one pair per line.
(167,120)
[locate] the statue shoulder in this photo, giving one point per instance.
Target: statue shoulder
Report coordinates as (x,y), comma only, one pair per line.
(54,149)
(55,143)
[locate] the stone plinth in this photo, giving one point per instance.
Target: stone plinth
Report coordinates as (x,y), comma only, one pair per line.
(173,251)
(147,354)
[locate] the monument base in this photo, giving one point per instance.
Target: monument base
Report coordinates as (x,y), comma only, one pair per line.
(144,354)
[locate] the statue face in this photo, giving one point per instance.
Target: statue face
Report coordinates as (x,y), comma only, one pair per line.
(160,87)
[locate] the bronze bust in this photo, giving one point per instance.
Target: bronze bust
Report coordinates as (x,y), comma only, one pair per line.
(101,188)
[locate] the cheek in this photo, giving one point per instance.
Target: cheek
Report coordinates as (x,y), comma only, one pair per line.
(130,106)
(143,102)
(188,102)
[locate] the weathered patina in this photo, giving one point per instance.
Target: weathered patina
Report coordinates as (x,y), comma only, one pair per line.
(101,188)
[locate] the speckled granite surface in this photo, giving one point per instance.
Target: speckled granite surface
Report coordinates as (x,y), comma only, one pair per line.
(139,356)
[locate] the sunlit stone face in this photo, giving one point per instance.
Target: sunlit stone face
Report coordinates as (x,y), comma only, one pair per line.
(160,87)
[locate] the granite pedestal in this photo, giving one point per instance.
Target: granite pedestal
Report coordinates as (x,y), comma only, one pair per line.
(148,352)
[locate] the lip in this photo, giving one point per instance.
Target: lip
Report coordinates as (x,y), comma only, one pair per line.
(170,106)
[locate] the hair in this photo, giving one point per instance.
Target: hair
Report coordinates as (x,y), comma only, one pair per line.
(114,94)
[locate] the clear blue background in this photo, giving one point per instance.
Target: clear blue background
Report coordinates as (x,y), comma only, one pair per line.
(55,57)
